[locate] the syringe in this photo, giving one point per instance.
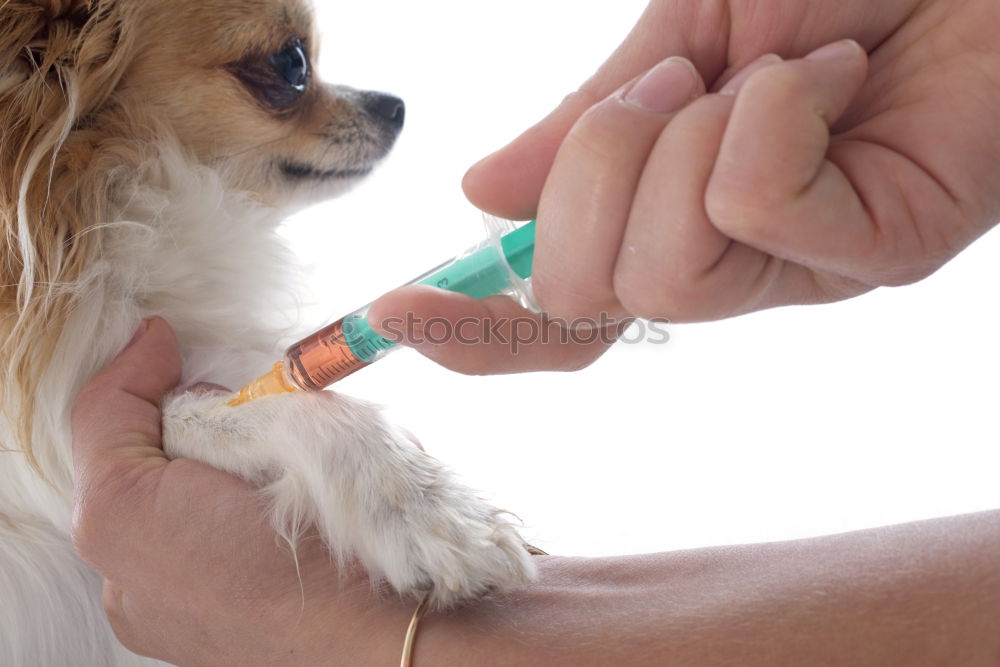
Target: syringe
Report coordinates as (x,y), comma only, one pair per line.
(499,265)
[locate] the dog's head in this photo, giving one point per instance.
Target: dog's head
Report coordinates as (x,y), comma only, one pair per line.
(233,80)
(91,89)
(236,81)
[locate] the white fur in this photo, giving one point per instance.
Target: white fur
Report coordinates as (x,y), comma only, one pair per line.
(211,263)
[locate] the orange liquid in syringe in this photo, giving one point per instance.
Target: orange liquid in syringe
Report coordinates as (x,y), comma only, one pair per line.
(322,359)
(311,364)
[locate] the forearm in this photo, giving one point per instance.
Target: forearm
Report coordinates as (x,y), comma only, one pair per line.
(921,594)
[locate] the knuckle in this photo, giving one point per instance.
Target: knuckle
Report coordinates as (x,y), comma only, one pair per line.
(99,506)
(894,274)
(83,543)
(85,528)
(898,254)
(112,603)
(469,367)
(907,253)
(642,303)
(596,135)
(85,534)
(784,80)
(657,295)
(742,206)
(602,127)
(641,282)
(579,362)
(586,96)
(642,294)
(575,313)
(563,299)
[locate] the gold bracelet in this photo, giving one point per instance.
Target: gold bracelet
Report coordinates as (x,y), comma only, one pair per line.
(411,632)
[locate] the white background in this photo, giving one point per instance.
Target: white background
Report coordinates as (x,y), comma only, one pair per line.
(784,424)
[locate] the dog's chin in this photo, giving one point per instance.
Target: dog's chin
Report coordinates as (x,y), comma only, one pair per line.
(300,185)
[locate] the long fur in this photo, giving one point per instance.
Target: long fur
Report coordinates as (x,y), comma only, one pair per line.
(69,72)
(113,210)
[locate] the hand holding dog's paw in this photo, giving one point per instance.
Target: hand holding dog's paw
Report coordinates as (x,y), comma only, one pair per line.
(329,461)
(192,569)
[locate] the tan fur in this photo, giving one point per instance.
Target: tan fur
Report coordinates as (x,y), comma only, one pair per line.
(64,63)
(87,89)
(148,150)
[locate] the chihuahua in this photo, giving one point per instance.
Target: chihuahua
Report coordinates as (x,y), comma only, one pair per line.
(148,152)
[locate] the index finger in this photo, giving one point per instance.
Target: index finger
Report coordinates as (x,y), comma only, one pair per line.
(509,182)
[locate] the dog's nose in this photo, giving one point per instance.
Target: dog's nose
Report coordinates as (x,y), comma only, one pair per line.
(386,107)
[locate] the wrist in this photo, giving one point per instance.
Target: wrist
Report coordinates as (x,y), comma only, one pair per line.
(347,624)
(537,626)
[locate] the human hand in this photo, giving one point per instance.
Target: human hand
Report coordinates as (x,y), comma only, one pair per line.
(815,182)
(194,574)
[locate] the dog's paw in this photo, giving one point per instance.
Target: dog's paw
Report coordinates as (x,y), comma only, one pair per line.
(428,533)
(333,462)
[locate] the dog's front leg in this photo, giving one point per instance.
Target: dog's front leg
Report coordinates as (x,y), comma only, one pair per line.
(334,462)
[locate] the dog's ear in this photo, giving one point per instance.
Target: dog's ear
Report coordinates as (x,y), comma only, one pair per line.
(39,37)
(60,65)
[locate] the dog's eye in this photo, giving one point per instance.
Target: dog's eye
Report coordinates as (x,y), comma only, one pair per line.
(292,65)
(277,81)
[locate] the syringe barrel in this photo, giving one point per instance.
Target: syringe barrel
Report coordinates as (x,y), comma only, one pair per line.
(499,265)
(323,358)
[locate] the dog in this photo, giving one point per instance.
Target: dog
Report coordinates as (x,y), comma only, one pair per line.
(148,152)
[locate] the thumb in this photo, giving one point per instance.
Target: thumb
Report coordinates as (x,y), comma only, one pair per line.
(491,336)
(116,417)
(509,182)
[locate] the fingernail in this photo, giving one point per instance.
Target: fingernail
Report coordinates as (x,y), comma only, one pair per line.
(842,50)
(139,333)
(665,88)
(733,85)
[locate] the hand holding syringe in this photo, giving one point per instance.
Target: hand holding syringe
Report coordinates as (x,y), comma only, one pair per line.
(499,265)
